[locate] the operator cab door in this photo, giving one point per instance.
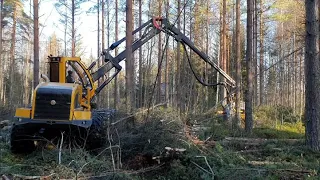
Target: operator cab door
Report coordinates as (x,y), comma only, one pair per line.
(77,73)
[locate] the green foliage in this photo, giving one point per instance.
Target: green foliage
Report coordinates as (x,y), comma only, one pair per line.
(286,114)
(269,116)
(285,133)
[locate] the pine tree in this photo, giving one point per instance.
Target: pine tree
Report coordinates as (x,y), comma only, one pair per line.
(312,71)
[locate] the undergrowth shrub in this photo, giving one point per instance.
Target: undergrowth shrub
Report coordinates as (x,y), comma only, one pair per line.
(270,116)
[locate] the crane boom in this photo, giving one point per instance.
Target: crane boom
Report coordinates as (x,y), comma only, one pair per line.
(151,28)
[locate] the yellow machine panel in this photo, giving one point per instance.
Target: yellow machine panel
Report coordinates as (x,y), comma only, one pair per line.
(23,112)
(82,115)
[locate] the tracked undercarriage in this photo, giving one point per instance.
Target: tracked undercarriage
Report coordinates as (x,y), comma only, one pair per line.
(26,138)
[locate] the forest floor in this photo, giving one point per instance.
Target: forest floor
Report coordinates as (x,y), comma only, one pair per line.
(164,146)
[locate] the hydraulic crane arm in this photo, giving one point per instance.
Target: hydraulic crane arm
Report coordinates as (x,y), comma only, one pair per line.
(151,29)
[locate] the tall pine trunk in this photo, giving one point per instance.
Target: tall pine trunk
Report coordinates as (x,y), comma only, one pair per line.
(98,45)
(36,43)
(224,48)
(249,64)
(261,74)
(140,58)
(312,74)
(159,59)
(116,85)
(177,80)
(102,96)
(166,90)
(238,62)
(255,53)
(73,38)
(12,53)
(129,59)
(1,61)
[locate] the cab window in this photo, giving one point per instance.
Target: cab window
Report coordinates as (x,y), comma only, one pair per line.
(78,73)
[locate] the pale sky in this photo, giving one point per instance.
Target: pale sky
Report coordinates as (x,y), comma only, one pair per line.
(49,17)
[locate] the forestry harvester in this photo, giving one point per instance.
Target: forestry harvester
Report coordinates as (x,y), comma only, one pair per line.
(65,101)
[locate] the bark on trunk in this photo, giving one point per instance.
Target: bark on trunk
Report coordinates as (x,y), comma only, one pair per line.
(73,40)
(159,60)
(12,52)
(178,93)
(224,49)
(140,58)
(1,62)
(116,86)
(249,90)
(261,74)
(255,53)
(167,63)
(238,69)
(129,59)
(312,74)
(98,45)
(36,43)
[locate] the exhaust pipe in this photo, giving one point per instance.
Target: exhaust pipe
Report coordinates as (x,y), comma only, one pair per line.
(45,77)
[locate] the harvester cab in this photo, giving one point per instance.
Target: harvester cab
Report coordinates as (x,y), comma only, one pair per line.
(63,103)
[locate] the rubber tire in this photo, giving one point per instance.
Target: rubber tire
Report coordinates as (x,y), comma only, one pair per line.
(96,138)
(21,140)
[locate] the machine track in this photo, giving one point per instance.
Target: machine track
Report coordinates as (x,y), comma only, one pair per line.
(97,135)
(25,138)
(22,140)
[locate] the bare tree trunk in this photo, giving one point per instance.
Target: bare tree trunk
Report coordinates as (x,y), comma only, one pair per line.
(255,53)
(73,39)
(65,31)
(36,43)
(224,47)
(220,59)
(102,25)
(206,64)
(182,71)
(1,60)
(282,69)
(249,63)
(12,53)
(159,59)
(140,58)
(116,86)
(98,46)
(129,59)
(102,96)
(178,93)
(294,74)
(167,62)
(108,45)
(312,74)
(261,74)
(238,62)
